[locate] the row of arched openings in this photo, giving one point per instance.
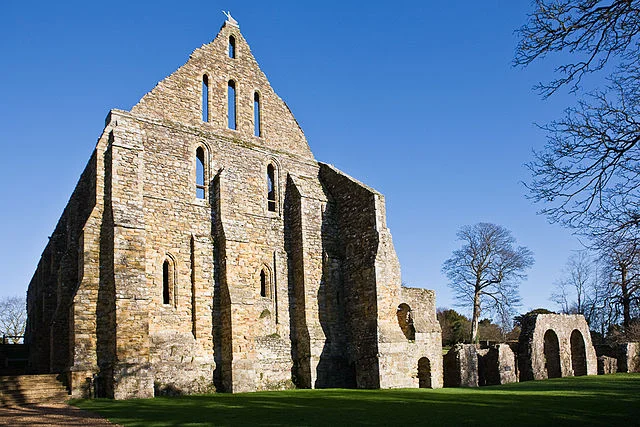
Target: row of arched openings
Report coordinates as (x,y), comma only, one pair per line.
(232,118)
(201,172)
(552,354)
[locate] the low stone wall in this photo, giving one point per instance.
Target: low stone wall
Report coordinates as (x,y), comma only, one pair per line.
(607,365)
(461,366)
(629,357)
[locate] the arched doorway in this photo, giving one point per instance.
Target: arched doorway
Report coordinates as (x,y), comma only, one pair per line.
(552,354)
(424,373)
(578,354)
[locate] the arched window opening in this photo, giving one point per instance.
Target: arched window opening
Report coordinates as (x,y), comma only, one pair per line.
(232,47)
(424,373)
(166,283)
(205,98)
(578,354)
(271,189)
(263,284)
(405,320)
(552,354)
(257,129)
(200,181)
(231,107)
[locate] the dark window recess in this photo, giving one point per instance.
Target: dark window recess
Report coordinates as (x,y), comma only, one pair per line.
(200,187)
(271,189)
(263,284)
(257,129)
(205,98)
(232,47)
(166,299)
(231,107)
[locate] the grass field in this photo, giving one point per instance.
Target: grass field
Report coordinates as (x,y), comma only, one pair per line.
(611,400)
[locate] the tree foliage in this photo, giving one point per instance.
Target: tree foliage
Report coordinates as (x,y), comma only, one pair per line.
(485,272)
(456,328)
(589,170)
(13,317)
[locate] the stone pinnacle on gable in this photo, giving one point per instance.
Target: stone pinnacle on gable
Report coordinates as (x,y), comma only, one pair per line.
(230,19)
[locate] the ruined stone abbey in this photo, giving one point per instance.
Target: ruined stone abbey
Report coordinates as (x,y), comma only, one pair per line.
(205,246)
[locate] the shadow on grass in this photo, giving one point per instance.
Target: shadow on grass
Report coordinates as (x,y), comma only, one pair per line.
(601,400)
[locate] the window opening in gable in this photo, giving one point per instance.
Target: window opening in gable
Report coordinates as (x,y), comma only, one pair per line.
(271,189)
(205,98)
(200,187)
(231,107)
(232,47)
(257,129)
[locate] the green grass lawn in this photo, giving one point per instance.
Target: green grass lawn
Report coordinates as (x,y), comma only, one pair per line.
(611,400)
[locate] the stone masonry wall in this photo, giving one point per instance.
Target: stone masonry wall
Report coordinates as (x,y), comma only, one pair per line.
(555,345)
(357,224)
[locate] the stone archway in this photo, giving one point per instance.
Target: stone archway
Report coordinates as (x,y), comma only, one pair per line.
(405,321)
(578,354)
(424,373)
(552,354)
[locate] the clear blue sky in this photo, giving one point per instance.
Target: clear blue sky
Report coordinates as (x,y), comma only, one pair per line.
(417,99)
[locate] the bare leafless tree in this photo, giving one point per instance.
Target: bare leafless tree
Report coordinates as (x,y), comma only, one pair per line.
(589,171)
(572,292)
(486,271)
(622,271)
(13,317)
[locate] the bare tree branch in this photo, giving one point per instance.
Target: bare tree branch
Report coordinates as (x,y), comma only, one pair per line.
(13,317)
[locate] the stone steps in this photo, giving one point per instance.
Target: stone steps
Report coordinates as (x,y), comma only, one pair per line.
(16,390)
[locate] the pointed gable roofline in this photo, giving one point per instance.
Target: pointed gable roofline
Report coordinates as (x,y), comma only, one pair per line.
(178,98)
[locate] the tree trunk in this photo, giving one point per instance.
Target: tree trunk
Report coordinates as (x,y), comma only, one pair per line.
(476,317)
(626,300)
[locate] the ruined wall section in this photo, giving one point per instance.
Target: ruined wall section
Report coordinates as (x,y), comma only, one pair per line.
(356,213)
(559,355)
(402,355)
(318,306)
(51,290)
(64,313)
(178,98)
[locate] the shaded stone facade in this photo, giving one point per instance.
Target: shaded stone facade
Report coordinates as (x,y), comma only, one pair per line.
(205,246)
(496,365)
(555,345)
(629,357)
(461,366)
